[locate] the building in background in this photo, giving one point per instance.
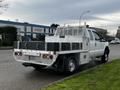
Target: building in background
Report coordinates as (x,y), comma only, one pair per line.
(103,33)
(118,33)
(28,30)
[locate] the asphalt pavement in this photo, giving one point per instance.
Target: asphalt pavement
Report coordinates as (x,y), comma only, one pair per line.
(14,76)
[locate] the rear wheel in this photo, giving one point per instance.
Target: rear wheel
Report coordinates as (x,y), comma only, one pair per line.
(70,65)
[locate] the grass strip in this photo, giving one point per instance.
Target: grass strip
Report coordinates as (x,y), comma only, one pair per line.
(102,77)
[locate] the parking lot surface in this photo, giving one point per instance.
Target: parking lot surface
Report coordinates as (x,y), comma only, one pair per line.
(14,76)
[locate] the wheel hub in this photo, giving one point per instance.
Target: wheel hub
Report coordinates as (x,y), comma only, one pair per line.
(106,57)
(71,66)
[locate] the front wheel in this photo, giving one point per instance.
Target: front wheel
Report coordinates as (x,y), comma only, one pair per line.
(105,57)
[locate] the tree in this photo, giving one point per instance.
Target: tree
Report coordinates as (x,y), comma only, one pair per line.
(118,33)
(9,34)
(3,6)
(54,26)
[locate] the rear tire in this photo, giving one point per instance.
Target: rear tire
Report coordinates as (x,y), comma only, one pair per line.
(70,65)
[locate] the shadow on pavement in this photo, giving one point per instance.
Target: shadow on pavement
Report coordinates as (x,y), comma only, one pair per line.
(52,72)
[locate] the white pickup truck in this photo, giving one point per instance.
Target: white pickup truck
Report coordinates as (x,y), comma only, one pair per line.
(66,50)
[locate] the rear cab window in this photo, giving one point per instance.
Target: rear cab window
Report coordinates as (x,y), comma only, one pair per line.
(96,35)
(91,35)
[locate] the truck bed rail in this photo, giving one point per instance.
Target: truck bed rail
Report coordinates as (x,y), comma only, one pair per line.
(47,46)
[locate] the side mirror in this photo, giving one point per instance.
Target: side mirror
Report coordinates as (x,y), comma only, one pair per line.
(97,39)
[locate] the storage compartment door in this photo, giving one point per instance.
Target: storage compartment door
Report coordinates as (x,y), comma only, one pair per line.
(84,58)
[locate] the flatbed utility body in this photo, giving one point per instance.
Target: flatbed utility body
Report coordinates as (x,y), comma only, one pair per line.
(66,50)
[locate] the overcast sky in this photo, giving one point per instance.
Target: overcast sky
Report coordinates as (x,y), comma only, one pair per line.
(103,13)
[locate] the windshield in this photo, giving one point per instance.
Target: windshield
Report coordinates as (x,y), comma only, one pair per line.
(69,31)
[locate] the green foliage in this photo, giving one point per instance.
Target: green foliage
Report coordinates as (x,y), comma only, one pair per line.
(103,77)
(54,26)
(9,34)
(8,29)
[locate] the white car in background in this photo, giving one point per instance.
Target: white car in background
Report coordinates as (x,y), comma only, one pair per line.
(115,41)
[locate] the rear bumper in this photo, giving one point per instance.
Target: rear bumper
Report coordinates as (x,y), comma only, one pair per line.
(29,63)
(33,58)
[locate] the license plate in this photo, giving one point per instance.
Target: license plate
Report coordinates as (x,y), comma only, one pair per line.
(31,57)
(29,53)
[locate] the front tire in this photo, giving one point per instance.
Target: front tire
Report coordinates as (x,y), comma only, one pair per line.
(105,57)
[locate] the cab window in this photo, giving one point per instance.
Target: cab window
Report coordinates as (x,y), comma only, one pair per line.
(96,36)
(90,33)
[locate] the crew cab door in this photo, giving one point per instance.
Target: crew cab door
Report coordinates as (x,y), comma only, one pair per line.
(99,47)
(92,43)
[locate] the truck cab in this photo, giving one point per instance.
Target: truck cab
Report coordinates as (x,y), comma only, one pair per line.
(66,50)
(97,43)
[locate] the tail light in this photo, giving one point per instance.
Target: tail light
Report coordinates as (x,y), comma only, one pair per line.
(18,53)
(51,56)
(47,56)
